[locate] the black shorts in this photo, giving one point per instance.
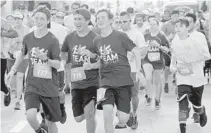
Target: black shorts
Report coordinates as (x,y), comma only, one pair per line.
(82,97)
(120,96)
(194,93)
(51,105)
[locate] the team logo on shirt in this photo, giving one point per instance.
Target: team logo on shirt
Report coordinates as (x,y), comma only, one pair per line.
(34,58)
(107,55)
(77,54)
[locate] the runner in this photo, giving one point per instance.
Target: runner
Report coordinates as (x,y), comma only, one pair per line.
(137,37)
(187,62)
(196,36)
(153,63)
(22,30)
(139,23)
(41,84)
(6,32)
(84,78)
(112,46)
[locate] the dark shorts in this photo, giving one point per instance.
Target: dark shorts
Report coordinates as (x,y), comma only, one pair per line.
(51,105)
(82,97)
(194,93)
(120,96)
(23,66)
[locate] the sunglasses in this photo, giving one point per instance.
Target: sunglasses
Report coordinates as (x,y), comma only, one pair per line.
(60,17)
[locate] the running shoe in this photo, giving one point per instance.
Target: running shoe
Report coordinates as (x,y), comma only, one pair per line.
(64,116)
(17,106)
(148,101)
(157,104)
(196,118)
(130,120)
(119,126)
(135,123)
(7,98)
(166,88)
(203,118)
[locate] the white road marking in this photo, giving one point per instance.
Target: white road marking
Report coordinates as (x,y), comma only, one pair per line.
(19,127)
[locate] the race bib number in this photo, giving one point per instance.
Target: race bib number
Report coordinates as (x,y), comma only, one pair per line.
(77,74)
(42,71)
(154,56)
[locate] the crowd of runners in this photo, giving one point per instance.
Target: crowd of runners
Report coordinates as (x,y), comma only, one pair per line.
(103,60)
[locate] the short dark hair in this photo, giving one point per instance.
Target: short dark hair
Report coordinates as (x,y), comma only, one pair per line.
(85,5)
(175,12)
(76,3)
(151,16)
(130,10)
(110,15)
(124,13)
(48,5)
(191,15)
(183,21)
(154,20)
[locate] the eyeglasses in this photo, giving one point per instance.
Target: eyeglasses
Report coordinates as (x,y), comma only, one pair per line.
(60,17)
(118,22)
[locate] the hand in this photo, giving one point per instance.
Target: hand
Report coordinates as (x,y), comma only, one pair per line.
(155,43)
(88,53)
(138,76)
(143,52)
(87,66)
(8,77)
(41,54)
(130,57)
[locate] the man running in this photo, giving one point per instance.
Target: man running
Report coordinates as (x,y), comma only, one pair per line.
(196,36)
(137,37)
(112,46)
(6,32)
(84,70)
(42,78)
(187,62)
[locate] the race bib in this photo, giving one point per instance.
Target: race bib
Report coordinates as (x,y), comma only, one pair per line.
(42,71)
(185,69)
(77,74)
(154,56)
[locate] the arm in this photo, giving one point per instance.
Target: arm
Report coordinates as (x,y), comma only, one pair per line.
(9,34)
(54,63)
(173,65)
(137,56)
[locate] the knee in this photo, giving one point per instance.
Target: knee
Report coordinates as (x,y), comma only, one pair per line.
(31,115)
(123,117)
(134,93)
(107,112)
(79,118)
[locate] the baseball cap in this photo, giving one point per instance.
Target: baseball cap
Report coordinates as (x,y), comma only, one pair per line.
(84,12)
(18,15)
(44,10)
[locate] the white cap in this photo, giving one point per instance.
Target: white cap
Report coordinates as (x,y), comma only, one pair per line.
(18,15)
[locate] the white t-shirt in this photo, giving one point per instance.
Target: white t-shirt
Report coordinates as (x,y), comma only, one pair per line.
(138,38)
(190,49)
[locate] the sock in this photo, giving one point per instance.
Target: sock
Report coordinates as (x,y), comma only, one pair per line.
(38,130)
(62,106)
(43,116)
(182,127)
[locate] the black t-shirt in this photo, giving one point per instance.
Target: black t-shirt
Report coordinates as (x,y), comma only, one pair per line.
(155,55)
(74,45)
(115,69)
(42,86)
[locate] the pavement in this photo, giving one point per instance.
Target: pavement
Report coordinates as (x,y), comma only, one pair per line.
(150,120)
